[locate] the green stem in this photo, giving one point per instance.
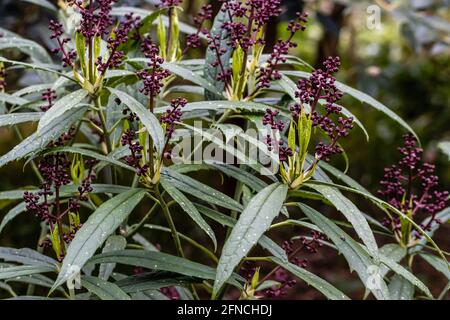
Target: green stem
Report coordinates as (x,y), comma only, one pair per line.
(170,222)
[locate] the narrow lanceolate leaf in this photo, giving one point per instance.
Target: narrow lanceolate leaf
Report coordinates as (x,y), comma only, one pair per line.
(321,285)
(14,212)
(398,269)
(103,289)
(113,243)
(92,154)
(265,242)
(12,272)
(251,225)
(199,190)
(38,141)
(400,288)
(437,263)
(189,208)
(357,258)
(26,256)
(66,103)
(11,99)
(189,75)
(211,70)
(152,281)
(150,122)
(155,260)
(95,230)
(16,118)
(351,213)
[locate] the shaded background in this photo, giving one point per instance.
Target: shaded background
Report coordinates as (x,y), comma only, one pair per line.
(405,65)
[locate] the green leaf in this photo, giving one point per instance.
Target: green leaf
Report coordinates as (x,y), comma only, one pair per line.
(265,242)
(103,289)
(80,44)
(26,256)
(38,141)
(436,263)
(400,288)
(155,260)
(199,190)
(113,243)
(241,175)
(398,269)
(29,47)
(357,258)
(16,118)
(92,154)
(211,72)
(361,97)
(63,105)
(351,213)
(321,285)
(146,117)
(251,225)
(189,208)
(12,272)
(38,66)
(152,281)
(14,212)
(95,231)
(11,99)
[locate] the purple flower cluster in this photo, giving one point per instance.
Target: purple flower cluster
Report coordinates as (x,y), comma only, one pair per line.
(269,119)
(68,55)
(214,44)
(49,96)
(47,204)
(279,274)
(257,14)
(173,115)
(152,79)
(134,160)
(205,14)
(169,3)
(410,186)
(95,17)
(321,85)
(268,72)
(117,38)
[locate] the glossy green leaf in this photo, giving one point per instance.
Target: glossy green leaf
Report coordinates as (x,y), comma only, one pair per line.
(113,243)
(16,118)
(357,258)
(38,141)
(103,222)
(12,272)
(199,190)
(187,206)
(26,256)
(103,289)
(254,220)
(155,260)
(150,122)
(400,288)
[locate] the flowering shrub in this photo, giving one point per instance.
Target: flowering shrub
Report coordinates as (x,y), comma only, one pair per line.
(111,117)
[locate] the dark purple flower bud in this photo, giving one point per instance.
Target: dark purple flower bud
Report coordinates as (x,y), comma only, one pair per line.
(173,115)
(411,185)
(49,96)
